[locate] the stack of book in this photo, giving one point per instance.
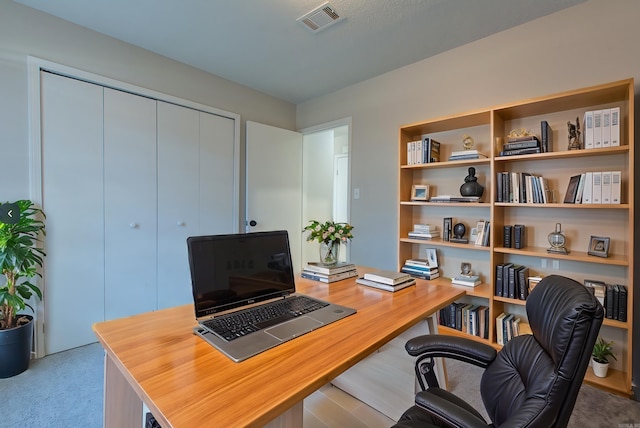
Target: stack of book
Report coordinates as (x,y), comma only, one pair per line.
(602,128)
(328,274)
(512,281)
(420,268)
(612,297)
(521,146)
(466,154)
(522,187)
(468,318)
(386,280)
(466,280)
(426,150)
(424,231)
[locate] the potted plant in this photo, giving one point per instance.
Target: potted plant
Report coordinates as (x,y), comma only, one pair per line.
(20,258)
(329,234)
(602,350)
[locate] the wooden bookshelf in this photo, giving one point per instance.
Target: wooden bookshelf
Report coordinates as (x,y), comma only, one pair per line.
(488,128)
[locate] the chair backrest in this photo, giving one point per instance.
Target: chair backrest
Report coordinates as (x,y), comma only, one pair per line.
(535,379)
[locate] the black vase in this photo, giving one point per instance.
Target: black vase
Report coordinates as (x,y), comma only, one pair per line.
(15,349)
(471,187)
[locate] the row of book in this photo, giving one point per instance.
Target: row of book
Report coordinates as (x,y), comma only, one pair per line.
(612,297)
(522,187)
(602,128)
(467,318)
(529,144)
(594,187)
(386,280)
(481,233)
(512,281)
(328,274)
(513,236)
(426,150)
(509,326)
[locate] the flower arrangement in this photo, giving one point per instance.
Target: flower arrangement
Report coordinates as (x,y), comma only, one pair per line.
(329,232)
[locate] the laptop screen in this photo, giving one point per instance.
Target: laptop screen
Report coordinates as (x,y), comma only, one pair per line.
(234,270)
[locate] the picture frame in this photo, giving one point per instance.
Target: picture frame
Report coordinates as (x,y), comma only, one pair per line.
(420,192)
(432,257)
(599,246)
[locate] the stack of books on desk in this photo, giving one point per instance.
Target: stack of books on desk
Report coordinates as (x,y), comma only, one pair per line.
(328,274)
(424,231)
(420,268)
(386,280)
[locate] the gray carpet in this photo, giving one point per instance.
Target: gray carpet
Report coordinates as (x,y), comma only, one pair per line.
(65,390)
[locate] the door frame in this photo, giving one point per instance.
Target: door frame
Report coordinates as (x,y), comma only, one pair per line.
(347,121)
(34,66)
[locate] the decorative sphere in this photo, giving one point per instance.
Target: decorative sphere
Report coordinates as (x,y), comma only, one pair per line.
(458,230)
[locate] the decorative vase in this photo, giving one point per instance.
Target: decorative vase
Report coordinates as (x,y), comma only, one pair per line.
(599,369)
(471,187)
(329,253)
(15,349)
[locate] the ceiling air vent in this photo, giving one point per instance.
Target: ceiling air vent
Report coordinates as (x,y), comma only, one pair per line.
(320,18)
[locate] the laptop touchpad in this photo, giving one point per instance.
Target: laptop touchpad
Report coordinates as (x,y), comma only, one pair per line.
(294,328)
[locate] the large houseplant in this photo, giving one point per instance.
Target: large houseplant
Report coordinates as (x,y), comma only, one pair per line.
(20,258)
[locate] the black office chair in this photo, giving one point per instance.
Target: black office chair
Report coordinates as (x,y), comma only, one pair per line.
(532,382)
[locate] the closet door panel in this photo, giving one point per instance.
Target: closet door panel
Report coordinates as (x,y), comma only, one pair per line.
(178,204)
(217,171)
(71,131)
(130,204)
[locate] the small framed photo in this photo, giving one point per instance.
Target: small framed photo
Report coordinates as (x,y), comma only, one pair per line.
(599,246)
(432,257)
(420,192)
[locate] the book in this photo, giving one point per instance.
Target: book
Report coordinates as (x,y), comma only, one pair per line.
(499,328)
(596,189)
(426,264)
(572,188)
(546,137)
(606,187)
(419,235)
(606,127)
(615,126)
(386,287)
(424,227)
(580,189)
(608,300)
(523,287)
(386,276)
(521,138)
(422,269)
(329,270)
(616,178)
(448,198)
(622,303)
(499,279)
(447,227)
(328,278)
(588,130)
(587,191)
(516,152)
(531,142)
(507,234)
(518,236)
(597,129)
(420,274)
(469,156)
(432,153)
(467,281)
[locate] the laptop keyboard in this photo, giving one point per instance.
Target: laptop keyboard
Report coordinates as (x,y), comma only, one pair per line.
(235,325)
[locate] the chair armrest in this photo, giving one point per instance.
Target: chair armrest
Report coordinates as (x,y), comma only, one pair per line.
(444,406)
(459,348)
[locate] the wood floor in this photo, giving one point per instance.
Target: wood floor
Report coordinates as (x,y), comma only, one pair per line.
(330,407)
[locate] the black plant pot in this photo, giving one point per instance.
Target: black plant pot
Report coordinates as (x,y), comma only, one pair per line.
(15,349)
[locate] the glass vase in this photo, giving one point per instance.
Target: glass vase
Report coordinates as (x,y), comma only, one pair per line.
(329,253)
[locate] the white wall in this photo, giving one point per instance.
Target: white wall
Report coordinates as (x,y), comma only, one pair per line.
(585,45)
(24,31)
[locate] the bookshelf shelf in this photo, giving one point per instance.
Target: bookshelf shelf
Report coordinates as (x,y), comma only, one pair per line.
(489,128)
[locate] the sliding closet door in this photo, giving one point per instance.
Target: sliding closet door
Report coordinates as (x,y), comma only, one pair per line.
(72,199)
(130,203)
(178,208)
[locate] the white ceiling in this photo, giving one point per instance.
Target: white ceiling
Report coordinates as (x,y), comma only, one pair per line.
(259,44)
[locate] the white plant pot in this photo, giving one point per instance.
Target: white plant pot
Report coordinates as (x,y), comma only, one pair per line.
(599,369)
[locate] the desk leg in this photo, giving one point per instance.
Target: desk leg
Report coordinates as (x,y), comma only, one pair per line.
(122,406)
(292,418)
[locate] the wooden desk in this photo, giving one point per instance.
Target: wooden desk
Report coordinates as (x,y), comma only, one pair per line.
(156,359)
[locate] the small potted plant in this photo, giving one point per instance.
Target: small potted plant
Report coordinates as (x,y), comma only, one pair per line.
(329,234)
(20,258)
(602,350)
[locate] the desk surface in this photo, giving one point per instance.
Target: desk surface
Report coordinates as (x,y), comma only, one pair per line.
(186,383)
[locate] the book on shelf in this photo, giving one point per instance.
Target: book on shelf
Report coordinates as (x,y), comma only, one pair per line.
(426,264)
(326,278)
(387,276)
(516,152)
(597,129)
(329,269)
(387,287)
(447,227)
(616,179)
(572,188)
(421,273)
(606,187)
(606,127)
(449,198)
(587,190)
(431,148)
(466,280)
(596,188)
(423,227)
(526,143)
(546,137)
(518,236)
(588,130)
(424,235)
(466,154)
(615,126)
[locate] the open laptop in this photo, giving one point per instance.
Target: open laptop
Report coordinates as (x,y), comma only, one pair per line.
(234,273)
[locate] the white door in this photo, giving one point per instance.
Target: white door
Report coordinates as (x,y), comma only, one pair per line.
(72,199)
(130,204)
(274,183)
